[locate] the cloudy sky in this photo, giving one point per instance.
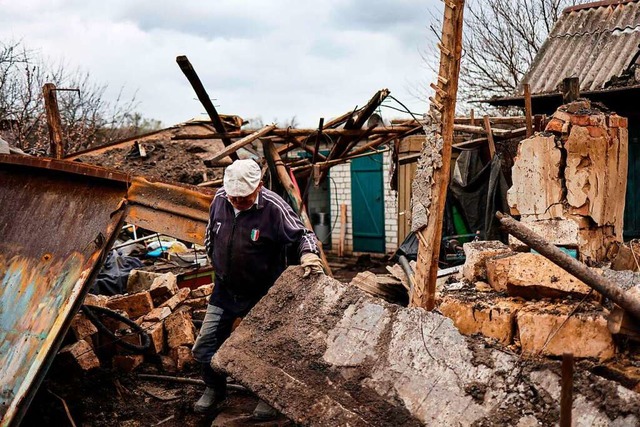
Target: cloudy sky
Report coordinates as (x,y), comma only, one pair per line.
(273,59)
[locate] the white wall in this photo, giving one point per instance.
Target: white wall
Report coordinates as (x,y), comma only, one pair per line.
(340,191)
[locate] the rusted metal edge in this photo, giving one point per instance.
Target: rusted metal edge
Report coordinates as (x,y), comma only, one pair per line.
(64,166)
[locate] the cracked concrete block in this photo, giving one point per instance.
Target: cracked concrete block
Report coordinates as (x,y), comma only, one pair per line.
(163,287)
(546,330)
(493,318)
(532,276)
(318,350)
(537,188)
(476,253)
(177,299)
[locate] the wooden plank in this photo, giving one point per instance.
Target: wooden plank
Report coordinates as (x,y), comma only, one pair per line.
(490,141)
(566,390)
(528,113)
(570,89)
(343,229)
(423,294)
(56,142)
(232,148)
(205,100)
(294,194)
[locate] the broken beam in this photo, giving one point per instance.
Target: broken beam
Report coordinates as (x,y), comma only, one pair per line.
(573,266)
(201,92)
(232,148)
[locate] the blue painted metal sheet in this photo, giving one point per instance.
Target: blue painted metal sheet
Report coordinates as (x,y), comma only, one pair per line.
(57,218)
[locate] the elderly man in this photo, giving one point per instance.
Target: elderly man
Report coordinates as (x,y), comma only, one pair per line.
(248,231)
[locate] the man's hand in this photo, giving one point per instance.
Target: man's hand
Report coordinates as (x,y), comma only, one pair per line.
(312,264)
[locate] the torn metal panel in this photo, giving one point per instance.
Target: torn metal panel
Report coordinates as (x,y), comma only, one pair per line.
(169,209)
(57,219)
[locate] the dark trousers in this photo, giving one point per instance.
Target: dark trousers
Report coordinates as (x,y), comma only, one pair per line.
(216,328)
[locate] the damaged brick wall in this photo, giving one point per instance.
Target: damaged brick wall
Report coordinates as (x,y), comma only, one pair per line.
(569,182)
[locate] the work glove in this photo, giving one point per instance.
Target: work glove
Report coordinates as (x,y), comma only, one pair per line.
(312,264)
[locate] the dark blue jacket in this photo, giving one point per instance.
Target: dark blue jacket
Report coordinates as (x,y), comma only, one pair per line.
(248,250)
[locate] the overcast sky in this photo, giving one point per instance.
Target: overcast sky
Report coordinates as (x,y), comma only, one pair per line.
(273,59)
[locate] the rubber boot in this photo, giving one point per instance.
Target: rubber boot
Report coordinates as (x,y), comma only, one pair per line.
(214,395)
(264,412)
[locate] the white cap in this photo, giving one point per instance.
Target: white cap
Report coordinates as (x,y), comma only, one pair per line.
(241,178)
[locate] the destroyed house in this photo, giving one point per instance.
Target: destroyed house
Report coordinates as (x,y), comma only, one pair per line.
(599,44)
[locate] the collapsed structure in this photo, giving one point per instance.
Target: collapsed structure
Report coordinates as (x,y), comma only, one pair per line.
(483,352)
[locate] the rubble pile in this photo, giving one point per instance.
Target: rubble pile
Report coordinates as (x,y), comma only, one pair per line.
(155,303)
(524,301)
(569,182)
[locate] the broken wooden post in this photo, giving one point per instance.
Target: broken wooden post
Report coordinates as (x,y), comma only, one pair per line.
(491,142)
(294,195)
(56,142)
(573,266)
(232,148)
(201,92)
(528,112)
(436,160)
(570,89)
(343,229)
(566,394)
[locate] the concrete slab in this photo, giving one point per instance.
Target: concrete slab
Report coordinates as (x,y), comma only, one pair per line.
(324,353)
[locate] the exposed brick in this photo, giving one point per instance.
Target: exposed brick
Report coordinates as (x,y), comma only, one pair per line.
(554,125)
(493,318)
(202,291)
(182,356)
(140,280)
(79,355)
(82,328)
(580,120)
(175,300)
(156,334)
(179,329)
(157,314)
(616,121)
(197,302)
(135,305)
(583,334)
(163,287)
(97,300)
(168,364)
(127,362)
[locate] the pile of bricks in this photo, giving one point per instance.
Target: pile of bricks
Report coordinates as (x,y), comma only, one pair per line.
(523,300)
(164,311)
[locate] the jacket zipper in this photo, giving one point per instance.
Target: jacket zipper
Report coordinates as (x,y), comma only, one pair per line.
(229,250)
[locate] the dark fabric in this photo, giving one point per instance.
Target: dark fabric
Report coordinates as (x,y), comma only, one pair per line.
(113,276)
(215,380)
(248,250)
(480,190)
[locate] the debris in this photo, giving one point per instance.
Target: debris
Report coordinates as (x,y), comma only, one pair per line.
(494,318)
(182,356)
(135,305)
(127,362)
(163,287)
(79,354)
(546,330)
(177,299)
(156,333)
(391,291)
(82,328)
(476,254)
(179,329)
(317,349)
(202,291)
(532,276)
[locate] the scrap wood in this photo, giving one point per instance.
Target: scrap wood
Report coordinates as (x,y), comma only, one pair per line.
(435,168)
(232,148)
(201,92)
(607,288)
(184,380)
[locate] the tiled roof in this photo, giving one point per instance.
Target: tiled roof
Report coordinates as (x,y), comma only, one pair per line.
(596,42)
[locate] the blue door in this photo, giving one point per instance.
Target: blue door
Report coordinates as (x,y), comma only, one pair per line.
(367,204)
(632,203)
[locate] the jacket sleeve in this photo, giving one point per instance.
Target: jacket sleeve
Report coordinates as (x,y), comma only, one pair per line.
(209,235)
(292,230)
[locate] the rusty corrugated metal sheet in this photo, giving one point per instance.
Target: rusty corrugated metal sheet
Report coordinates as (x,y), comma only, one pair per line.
(56,221)
(168,209)
(592,42)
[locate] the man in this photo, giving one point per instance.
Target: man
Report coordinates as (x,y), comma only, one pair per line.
(248,231)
